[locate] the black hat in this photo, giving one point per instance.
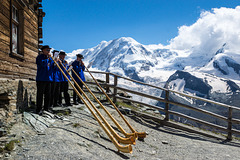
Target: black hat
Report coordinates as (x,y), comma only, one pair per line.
(62,53)
(80,56)
(55,51)
(44,47)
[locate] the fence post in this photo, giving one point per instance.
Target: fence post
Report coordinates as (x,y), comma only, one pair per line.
(229,137)
(107,81)
(115,89)
(166,105)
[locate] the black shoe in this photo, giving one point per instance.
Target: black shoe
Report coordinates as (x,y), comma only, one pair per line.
(40,113)
(75,103)
(68,104)
(57,105)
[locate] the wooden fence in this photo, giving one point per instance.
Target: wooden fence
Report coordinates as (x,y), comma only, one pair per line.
(230,120)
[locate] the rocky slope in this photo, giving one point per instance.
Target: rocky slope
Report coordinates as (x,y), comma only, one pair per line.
(79,136)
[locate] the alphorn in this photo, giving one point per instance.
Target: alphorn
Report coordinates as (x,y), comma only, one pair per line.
(126,148)
(128,140)
(139,134)
(104,108)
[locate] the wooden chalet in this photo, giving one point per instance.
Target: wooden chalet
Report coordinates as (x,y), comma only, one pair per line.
(20,37)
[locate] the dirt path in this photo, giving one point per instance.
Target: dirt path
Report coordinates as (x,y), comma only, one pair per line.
(79,136)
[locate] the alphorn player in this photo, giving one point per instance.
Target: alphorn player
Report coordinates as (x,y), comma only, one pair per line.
(64,81)
(78,67)
(44,78)
(53,84)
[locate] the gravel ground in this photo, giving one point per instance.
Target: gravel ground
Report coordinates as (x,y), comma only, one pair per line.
(79,136)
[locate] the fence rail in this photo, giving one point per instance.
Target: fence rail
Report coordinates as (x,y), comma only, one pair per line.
(229,120)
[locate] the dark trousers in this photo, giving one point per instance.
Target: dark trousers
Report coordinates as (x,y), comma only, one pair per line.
(43,89)
(52,93)
(56,93)
(64,89)
(74,93)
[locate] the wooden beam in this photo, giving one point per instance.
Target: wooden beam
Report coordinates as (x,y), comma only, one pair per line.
(199,110)
(198,121)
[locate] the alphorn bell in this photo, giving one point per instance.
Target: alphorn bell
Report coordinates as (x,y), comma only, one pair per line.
(139,134)
(128,140)
(126,148)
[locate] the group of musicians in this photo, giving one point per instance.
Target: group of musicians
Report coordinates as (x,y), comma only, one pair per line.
(51,82)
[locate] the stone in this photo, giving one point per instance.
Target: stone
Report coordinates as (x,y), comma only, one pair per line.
(48,114)
(82,144)
(3,132)
(2,112)
(39,123)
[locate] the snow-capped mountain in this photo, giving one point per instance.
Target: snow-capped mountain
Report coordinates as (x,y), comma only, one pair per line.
(206,86)
(126,57)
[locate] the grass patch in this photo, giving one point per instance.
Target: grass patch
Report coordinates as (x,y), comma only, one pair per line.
(64,113)
(75,125)
(81,108)
(9,146)
(118,104)
(60,114)
(1,150)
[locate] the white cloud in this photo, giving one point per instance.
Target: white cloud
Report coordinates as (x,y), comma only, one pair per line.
(210,32)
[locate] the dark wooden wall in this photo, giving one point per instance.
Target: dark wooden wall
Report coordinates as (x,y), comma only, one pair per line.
(20,65)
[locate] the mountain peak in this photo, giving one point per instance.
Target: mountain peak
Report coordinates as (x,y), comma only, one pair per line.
(128,40)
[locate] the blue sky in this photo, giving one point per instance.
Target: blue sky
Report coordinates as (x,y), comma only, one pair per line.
(81,24)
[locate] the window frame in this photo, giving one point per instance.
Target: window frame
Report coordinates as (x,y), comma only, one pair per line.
(15,26)
(17,19)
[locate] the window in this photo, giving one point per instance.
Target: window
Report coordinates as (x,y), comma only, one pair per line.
(15,30)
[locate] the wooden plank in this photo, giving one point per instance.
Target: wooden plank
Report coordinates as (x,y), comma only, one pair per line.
(5,3)
(4,37)
(32,14)
(4,26)
(139,82)
(5,20)
(4,42)
(142,103)
(31,18)
(100,72)
(198,120)
(28,35)
(30,55)
(142,94)
(237,121)
(191,130)
(4,48)
(30,26)
(234,131)
(7,67)
(4,8)
(4,29)
(206,100)
(31,39)
(5,57)
(199,110)
(33,44)
(102,84)
(13,74)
